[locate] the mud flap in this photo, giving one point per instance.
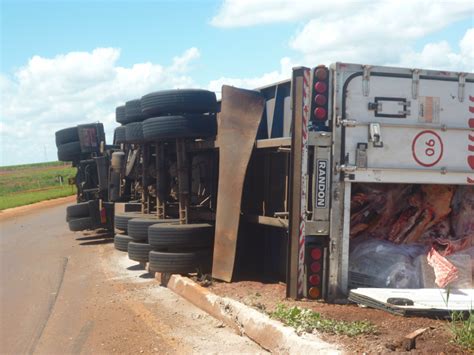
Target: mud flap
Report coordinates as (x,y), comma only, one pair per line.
(240,116)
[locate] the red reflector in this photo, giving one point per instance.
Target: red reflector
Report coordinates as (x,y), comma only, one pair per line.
(314,280)
(320,113)
(320,100)
(316,253)
(314,292)
(315,267)
(320,87)
(321,73)
(103,216)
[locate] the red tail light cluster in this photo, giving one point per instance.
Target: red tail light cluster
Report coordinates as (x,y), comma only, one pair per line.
(315,270)
(320,94)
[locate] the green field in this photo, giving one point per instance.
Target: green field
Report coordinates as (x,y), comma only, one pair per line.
(24,184)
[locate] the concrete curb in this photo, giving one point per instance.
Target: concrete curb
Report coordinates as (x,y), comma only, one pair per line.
(268,333)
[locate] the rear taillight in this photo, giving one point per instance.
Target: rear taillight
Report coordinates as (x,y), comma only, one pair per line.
(321,73)
(316,253)
(320,87)
(314,292)
(315,280)
(320,113)
(320,97)
(320,100)
(315,270)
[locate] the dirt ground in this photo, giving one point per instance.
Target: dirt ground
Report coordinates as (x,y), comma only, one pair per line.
(390,328)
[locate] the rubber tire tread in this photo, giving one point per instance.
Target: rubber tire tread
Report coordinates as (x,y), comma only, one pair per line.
(133,111)
(138,251)
(121,219)
(179,101)
(186,126)
(134,132)
(138,227)
(179,263)
(120,114)
(69,151)
(66,135)
(78,210)
(119,135)
(121,242)
(80,224)
(162,236)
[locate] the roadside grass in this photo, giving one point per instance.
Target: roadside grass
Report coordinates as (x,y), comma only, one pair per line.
(33,165)
(24,184)
(462,329)
(306,320)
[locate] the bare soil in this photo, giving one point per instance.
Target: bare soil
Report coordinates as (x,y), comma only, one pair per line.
(391,329)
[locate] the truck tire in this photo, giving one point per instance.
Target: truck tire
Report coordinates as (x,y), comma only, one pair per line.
(119,135)
(66,135)
(186,126)
(121,219)
(138,251)
(121,242)
(179,101)
(80,224)
(120,114)
(69,151)
(162,236)
(134,132)
(180,263)
(138,227)
(133,111)
(77,211)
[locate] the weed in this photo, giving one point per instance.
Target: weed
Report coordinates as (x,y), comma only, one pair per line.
(306,320)
(462,329)
(461,326)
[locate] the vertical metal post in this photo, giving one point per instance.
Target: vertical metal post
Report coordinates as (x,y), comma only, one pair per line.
(183,180)
(145,195)
(160,180)
(298,188)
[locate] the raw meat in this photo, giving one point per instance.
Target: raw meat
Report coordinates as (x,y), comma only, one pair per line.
(463,212)
(445,272)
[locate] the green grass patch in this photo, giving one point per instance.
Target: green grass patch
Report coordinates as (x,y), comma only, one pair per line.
(24,184)
(33,165)
(26,198)
(462,329)
(306,320)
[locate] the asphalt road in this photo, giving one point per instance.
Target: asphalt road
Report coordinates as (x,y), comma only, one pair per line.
(63,292)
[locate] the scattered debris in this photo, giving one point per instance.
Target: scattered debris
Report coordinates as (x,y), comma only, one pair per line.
(409,341)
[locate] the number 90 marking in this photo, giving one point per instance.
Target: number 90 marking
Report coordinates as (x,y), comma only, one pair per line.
(427,148)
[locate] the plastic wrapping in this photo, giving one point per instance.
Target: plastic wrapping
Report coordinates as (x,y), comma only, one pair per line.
(378,263)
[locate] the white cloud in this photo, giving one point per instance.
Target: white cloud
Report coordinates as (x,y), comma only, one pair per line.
(441,56)
(240,13)
(376,33)
(48,94)
(360,31)
(255,82)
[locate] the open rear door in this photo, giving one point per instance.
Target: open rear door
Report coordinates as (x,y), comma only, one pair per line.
(241,112)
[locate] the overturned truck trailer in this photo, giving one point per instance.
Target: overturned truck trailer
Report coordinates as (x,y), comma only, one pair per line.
(344,159)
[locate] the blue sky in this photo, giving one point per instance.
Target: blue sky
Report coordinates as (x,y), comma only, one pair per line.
(70,62)
(154,31)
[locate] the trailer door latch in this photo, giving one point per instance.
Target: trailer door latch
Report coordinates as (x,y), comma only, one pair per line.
(375,135)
